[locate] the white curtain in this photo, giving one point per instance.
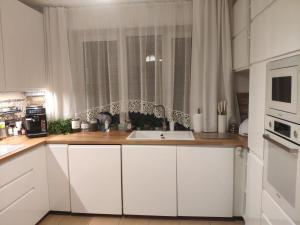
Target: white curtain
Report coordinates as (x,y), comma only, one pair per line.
(59,99)
(130,57)
(211,79)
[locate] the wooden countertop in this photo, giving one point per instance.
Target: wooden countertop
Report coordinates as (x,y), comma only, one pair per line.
(115,138)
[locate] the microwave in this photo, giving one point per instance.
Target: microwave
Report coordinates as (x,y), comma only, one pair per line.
(283,89)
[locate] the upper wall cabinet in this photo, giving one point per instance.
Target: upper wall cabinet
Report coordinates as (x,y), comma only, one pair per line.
(275,31)
(2,77)
(241,16)
(257,6)
(240,33)
(22,46)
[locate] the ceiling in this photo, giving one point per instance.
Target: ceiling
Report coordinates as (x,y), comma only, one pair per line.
(77,3)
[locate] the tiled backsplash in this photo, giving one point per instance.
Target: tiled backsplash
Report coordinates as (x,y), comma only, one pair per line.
(19,100)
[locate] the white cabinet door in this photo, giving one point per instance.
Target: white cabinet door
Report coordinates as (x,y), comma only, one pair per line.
(58,177)
(258,5)
(275,31)
(2,70)
(241,48)
(205,181)
(23,188)
(23,46)
(95,179)
(149,180)
(257,108)
(254,190)
(241,16)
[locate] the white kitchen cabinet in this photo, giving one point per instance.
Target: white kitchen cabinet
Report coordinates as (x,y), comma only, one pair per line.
(253,190)
(258,6)
(241,50)
(240,16)
(257,108)
(95,179)
(2,75)
(23,188)
(205,181)
(149,180)
(241,42)
(275,31)
(23,46)
(58,177)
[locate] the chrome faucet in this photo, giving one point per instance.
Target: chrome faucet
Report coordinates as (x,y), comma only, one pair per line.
(164,123)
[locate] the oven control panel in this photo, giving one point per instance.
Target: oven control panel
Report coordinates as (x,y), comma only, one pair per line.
(285,129)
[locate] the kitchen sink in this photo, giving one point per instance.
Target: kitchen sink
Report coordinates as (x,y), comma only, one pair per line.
(161,135)
(5,149)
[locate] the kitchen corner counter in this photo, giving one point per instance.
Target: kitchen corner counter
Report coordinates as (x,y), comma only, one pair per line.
(115,138)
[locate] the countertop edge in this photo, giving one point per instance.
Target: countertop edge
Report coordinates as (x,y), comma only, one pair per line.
(115,139)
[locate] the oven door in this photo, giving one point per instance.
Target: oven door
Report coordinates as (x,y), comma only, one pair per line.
(282,173)
(282,89)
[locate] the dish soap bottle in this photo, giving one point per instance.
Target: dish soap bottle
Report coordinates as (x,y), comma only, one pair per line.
(75,122)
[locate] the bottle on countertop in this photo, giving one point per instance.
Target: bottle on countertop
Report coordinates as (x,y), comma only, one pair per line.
(93,126)
(84,126)
(76,123)
(128,123)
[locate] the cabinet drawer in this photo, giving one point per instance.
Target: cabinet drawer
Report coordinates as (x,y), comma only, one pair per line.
(23,188)
(16,167)
(11,192)
(21,212)
(273,212)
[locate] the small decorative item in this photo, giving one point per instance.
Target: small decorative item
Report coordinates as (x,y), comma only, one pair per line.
(197,121)
(233,128)
(222,117)
(172,125)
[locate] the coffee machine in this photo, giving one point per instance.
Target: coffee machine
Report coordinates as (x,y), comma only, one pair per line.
(36,121)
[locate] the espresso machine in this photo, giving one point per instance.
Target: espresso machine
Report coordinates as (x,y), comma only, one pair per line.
(36,121)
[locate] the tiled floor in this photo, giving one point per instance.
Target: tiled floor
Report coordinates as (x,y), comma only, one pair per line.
(103,220)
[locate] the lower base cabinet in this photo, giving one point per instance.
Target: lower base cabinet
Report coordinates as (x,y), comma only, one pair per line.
(95,179)
(58,177)
(205,181)
(149,180)
(23,188)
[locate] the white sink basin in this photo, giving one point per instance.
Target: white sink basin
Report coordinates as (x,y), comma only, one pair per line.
(5,149)
(161,135)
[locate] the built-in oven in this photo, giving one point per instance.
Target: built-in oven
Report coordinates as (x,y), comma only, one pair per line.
(282,164)
(283,82)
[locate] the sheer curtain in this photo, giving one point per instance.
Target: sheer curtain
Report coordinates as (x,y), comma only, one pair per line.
(59,99)
(130,57)
(211,79)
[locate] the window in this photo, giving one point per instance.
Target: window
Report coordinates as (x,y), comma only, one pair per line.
(182,73)
(101,72)
(144,66)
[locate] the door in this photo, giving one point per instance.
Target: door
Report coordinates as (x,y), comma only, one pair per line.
(95,179)
(149,180)
(253,189)
(205,181)
(58,177)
